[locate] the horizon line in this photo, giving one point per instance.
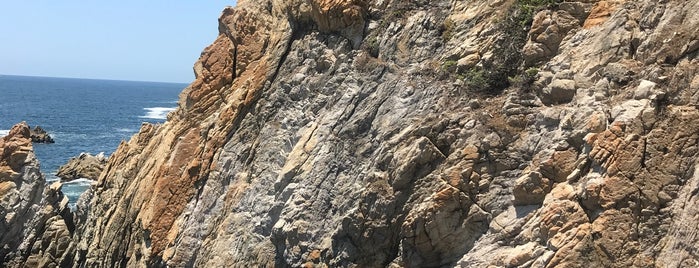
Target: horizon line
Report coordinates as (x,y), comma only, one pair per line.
(101,79)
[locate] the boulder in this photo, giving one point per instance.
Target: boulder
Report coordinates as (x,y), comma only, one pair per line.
(468,62)
(84,166)
(559,91)
(648,90)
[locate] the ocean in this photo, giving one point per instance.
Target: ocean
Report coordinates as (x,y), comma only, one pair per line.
(82,115)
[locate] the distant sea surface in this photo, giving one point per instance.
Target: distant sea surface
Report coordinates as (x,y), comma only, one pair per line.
(82,115)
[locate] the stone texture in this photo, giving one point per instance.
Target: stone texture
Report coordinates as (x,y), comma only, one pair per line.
(600,13)
(20,188)
(467,62)
(328,134)
(35,221)
(559,91)
(531,189)
(548,30)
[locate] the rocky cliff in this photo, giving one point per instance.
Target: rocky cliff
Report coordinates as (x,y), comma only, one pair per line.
(36,225)
(511,133)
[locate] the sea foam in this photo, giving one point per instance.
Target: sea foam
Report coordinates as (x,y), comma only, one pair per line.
(157,112)
(81,181)
(126,130)
(4,132)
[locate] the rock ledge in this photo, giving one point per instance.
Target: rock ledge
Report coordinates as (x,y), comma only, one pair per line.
(83,166)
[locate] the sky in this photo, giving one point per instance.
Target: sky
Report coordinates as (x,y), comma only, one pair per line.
(151,40)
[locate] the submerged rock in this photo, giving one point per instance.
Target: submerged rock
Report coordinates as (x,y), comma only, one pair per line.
(84,166)
(39,135)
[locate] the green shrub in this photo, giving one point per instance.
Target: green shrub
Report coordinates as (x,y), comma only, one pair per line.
(507,50)
(372,46)
(526,9)
(477,79)
(447,30)
(524,80)
(449,65)
(532,73)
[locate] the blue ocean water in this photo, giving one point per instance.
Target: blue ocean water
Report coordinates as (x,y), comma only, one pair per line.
(82,115)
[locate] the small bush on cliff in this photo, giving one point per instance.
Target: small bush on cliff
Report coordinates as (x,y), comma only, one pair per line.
(372,45)
(477,79)
(447,30)
(526,9)
(507,51)
(525,79)
(449,66)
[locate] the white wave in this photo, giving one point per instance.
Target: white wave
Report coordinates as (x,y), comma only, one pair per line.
(157,112)
(51,178)
(128,130)
(81,181)
(4,132)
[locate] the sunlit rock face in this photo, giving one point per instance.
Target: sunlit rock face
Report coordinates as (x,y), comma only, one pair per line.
(417,134)
(36,224)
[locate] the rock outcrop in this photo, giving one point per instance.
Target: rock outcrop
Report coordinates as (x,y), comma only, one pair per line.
(417,134)
(36,224)
(39,135)
(85,166)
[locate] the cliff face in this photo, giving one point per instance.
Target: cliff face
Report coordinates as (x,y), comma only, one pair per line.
(35,223)
(418,134)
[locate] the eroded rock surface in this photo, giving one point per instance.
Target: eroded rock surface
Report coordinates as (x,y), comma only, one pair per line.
(85,166)
(36,226)
(417,134)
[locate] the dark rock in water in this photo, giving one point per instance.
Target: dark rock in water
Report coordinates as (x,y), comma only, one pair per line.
(84,166)
(39,135)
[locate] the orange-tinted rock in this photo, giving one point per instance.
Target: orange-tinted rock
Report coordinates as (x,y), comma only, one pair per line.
(296,146)
(560,165)
(600,13)
(35,220)
(531,189)
(15,148)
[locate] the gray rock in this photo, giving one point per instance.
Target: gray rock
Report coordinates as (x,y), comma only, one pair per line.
(296,147)
(618,73)
(648,90)
(35,221)
(559,91)
(530,189)
(547,31)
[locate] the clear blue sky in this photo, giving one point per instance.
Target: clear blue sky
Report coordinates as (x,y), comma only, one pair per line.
(146,40)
